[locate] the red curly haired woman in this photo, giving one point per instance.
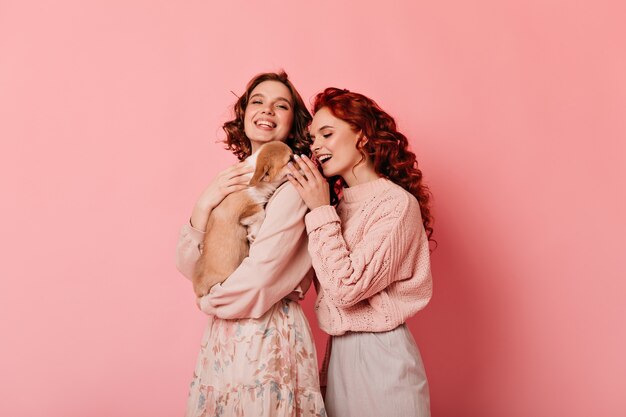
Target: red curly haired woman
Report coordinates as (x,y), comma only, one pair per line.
(370,253)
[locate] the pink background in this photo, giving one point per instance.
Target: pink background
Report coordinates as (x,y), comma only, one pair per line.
(109,114)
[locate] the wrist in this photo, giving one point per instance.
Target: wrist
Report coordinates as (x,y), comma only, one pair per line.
(206,203)
(320,203)
(200,218)
(317,205)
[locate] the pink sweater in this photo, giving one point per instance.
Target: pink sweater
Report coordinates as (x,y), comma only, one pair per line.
(371,257)
(278,265)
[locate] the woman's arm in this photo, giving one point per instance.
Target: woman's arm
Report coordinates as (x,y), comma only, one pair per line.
(386,253)
(227,181)
(187,249)
(277,263)
(188,253)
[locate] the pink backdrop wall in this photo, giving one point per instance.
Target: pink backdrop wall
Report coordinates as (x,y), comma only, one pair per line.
(109,113)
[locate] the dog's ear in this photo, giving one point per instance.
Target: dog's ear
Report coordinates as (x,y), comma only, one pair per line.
(260,173)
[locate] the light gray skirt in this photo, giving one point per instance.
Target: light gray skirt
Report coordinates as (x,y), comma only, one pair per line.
(377,375)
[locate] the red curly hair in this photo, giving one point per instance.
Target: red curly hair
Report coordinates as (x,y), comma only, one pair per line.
(381,143)
(299,141)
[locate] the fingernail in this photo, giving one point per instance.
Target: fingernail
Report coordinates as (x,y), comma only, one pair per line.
(290,165)
(296,156)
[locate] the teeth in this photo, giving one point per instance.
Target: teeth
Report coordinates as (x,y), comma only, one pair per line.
(324,158)
(265,123)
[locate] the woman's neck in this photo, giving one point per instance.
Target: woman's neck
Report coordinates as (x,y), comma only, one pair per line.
(360,174)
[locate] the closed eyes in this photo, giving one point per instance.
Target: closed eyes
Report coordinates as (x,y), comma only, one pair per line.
(280,106)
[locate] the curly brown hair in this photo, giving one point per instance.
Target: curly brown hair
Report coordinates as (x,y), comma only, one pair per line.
(298,140)
(381,142)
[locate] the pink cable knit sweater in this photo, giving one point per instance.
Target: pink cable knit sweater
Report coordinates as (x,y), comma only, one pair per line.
(371,257)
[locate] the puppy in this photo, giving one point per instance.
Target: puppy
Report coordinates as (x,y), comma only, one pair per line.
(234,223)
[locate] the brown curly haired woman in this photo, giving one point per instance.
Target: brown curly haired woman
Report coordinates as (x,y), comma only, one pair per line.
(257,355)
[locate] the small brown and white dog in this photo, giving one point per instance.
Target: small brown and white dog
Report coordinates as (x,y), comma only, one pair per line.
(234,223)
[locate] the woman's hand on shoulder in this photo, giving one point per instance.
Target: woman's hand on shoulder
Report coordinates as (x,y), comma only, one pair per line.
(309,182)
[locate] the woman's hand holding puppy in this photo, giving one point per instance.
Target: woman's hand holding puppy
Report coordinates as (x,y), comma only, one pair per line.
(226,182)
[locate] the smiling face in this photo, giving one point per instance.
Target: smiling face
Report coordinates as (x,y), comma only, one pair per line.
(269,114)
(335,147)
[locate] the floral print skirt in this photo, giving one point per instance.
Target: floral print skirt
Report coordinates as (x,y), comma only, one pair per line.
(257,367)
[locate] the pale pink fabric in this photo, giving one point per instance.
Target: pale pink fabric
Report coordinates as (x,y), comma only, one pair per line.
(257,356)
(371,257)
(376,375)
(278,266)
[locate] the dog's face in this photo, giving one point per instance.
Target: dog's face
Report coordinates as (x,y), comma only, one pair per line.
(271,163)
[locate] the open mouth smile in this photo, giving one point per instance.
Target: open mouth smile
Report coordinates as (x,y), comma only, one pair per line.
(265,124)
(324,158)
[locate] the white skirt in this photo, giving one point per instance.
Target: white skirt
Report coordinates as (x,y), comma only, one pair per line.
(377,375)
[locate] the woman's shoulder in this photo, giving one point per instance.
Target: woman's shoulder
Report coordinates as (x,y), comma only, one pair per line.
(285,190)
(285,196)
(402,201)
(397,194)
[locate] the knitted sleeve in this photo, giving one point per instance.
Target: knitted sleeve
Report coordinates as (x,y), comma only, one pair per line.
(278,261)
(389,235)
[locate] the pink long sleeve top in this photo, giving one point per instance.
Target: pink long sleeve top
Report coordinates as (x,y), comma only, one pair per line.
(278,264)
(371,257)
